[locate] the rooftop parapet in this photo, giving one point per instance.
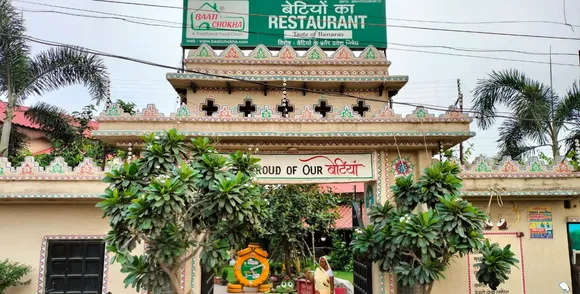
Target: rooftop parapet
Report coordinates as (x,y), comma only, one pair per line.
(231,69)
(481,167)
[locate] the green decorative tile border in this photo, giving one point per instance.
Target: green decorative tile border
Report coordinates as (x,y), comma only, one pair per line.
(49,196)
(290,134)
(522,193)
(379,78)
(287,55)
(540,193)
(486,168)
(306,115)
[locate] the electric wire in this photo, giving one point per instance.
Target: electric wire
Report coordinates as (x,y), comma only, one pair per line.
(484,22)
(416,51)
(95,11)
(328,93)
(369,24)
(484,57)
(118,17)
(97,17)
(482,50)
(565,23)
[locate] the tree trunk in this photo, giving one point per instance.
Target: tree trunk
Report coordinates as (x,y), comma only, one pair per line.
(555,149)
(175,284)
(7,126)
(287,261)
(428,288)
(417,289)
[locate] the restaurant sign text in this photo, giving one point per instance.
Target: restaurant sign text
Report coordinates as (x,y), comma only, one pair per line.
(316,167)
(277,23)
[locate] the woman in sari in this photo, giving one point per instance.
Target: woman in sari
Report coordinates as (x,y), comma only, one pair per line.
(324,278)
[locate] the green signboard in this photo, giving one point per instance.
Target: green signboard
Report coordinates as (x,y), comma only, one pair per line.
(276,23)
(252,269)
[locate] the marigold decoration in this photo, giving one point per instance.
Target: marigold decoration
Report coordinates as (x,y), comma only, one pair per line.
(402,167)
(252,268)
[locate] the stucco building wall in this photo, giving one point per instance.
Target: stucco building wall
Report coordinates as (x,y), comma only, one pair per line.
(545,263)
(25,227)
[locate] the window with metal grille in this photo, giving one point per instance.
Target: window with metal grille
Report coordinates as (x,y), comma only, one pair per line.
(75,266)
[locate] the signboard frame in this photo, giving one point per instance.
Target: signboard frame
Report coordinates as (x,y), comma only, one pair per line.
(320,164)
(300,24)
(541,222)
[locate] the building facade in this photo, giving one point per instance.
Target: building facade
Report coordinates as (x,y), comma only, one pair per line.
(314,118)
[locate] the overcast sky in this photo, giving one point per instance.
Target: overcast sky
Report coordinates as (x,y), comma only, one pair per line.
(432,77)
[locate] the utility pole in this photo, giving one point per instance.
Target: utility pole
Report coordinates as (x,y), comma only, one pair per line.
(555,149)
(460,101)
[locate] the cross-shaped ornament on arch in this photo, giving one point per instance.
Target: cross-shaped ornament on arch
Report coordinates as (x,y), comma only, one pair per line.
(247,107)
(323,108)
(209,107)
(361,107)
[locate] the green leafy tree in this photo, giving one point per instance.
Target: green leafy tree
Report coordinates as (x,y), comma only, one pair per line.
(341,257)
(430,225)
(454,152)
(570,157)
(23,75)
(181,200)
(69,136)
(295,211)
(540,116)
(128,107)
(11,274)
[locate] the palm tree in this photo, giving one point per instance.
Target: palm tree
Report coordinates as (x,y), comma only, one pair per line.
(53,121)
(540,117)
(22,74)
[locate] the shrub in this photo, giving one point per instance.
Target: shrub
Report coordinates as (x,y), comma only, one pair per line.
(11,274)
(225,274)
(275,267)
(341,256)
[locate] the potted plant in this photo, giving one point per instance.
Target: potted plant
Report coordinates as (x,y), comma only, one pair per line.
(224,277)
(217,280)
(270,282)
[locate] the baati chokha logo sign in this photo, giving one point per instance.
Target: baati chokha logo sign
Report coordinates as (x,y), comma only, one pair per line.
(276,23)
(220,21)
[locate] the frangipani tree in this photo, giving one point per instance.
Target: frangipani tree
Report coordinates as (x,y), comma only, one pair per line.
(180,200)
(430,225)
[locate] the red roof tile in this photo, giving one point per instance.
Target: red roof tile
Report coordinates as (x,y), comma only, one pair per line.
(343,187)
(345,219)
(45,151)
(19,117)
(21,120)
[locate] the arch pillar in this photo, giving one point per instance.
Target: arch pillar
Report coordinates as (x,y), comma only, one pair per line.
(378,192)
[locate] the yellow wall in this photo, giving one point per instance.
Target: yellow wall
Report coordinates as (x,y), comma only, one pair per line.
(23,227)
(38,145)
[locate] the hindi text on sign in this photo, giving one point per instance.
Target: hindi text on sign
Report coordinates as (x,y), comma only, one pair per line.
(316,167)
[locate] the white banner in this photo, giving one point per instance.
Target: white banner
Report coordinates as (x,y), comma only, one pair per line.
(296,168)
